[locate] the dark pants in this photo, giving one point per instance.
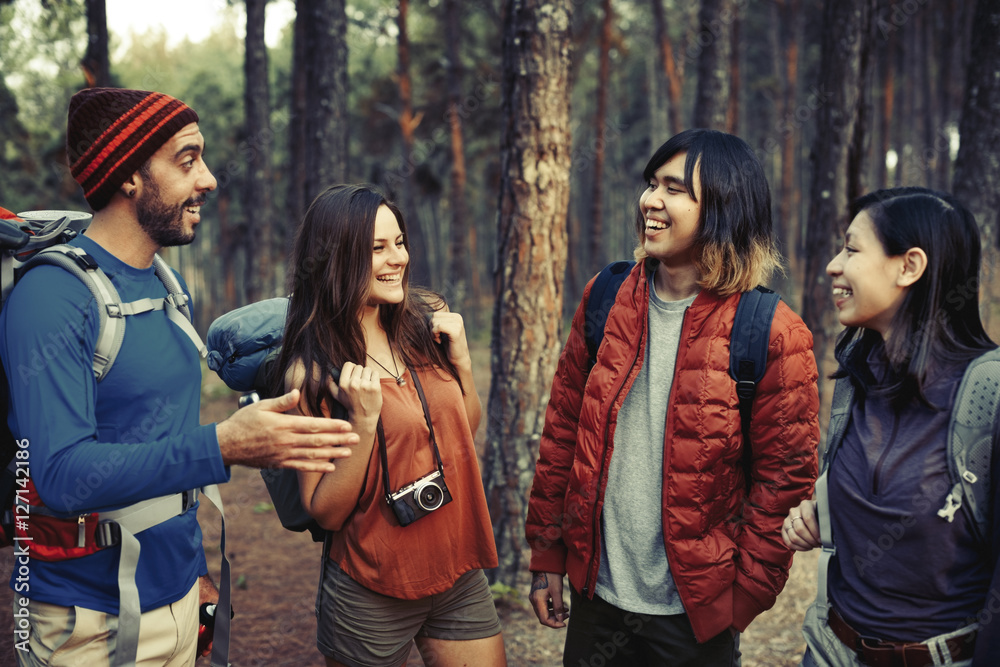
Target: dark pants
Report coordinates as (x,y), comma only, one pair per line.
(602,635)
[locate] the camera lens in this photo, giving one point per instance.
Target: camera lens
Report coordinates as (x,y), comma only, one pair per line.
(429,496)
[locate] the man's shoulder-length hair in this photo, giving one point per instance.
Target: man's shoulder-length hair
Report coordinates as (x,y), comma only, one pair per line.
(735,232)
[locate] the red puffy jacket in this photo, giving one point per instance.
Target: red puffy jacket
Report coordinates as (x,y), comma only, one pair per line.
(725,550)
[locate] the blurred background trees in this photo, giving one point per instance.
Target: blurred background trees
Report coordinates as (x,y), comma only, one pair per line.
(433,101)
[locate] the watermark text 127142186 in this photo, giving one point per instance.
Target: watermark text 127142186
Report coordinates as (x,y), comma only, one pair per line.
(22,546)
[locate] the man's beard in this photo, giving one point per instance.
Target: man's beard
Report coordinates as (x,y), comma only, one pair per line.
(164,224)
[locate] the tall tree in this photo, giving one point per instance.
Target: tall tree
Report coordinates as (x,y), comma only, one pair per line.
(258,241)
(847,38)
(600,135)
(714,42)
(463,232)
(673,68)
(790,201)
(96,64)
(534,201)
(318,128)
(977,166)
(408,122)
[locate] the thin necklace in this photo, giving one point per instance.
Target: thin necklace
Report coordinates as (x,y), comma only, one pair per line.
(397,376)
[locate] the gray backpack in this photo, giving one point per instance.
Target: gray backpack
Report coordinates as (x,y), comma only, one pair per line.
(973,432)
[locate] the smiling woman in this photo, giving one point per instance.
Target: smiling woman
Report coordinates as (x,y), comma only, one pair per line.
(410,531)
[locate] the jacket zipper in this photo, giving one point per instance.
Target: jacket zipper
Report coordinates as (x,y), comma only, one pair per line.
(596,546)
(884,455)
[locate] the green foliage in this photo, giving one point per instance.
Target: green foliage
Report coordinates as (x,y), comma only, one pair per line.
(39,63)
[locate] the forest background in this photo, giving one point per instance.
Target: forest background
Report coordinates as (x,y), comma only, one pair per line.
(513,134)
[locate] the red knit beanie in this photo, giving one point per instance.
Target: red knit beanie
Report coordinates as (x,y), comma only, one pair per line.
(111,132)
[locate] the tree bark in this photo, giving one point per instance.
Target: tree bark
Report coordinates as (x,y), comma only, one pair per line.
(96,64)
(713,45)
(597,244)
(259,246)
(977,166)
(672,68)
(846,39)
(296,199)
(319,139)
(531,261)
(420,272)
(790,206)
(464,273)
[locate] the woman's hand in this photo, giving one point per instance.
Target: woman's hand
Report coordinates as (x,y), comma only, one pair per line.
(800,529)
(449,327)
(360,392)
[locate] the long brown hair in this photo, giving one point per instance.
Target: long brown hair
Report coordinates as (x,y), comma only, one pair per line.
(330,285)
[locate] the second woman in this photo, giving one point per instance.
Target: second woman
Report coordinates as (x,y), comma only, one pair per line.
(410,531)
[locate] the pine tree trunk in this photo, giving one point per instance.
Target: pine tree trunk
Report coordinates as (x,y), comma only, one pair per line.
(258,241)
(464,272)
(977,167)
(96,64)
(420,272)
(671,68)
(597,245)
(534,201)
(713,45)
(791,196)
(846,37)
(318,127)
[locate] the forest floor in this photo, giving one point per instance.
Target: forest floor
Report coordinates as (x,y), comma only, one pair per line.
(275,574)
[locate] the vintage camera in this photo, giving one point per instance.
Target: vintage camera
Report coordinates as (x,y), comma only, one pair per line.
(420,498)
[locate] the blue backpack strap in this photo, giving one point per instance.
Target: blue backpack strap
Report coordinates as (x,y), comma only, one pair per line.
(599,303)
(748,354)
(972,436)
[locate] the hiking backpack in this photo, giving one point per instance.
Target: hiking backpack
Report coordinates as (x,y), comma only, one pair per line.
(747,344)
(40,237)
(243,348)
(973,433)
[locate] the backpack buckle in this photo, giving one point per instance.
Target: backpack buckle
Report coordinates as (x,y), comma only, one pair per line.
(746,388)
(178,301)
(107,534)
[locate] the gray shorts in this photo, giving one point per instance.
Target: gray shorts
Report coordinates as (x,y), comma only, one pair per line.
(362,628)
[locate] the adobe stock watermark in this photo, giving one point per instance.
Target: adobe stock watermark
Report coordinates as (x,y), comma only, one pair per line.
(21,577)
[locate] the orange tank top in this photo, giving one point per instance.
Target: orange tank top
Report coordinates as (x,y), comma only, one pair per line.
(430,554)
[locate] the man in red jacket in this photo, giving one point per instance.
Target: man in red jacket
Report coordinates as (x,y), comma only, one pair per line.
(640,494)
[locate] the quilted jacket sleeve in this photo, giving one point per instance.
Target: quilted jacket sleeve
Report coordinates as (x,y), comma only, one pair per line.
(784,440)
(546,512)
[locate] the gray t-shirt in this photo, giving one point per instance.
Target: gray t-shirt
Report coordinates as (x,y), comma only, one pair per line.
(634,573)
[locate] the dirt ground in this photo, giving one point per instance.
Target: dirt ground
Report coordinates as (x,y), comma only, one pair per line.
(275,574)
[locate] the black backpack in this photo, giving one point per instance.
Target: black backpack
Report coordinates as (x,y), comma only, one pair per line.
(747,345)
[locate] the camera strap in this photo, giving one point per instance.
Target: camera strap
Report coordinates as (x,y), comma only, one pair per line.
(382,449)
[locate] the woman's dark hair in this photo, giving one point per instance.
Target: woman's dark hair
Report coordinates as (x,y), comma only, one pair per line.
(735,237)
(330,284)
(937,323)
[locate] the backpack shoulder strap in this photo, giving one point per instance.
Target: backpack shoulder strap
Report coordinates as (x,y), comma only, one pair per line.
(840,412)
(971,440)
(176,303)
(748,354)
(599,303)
(111,329)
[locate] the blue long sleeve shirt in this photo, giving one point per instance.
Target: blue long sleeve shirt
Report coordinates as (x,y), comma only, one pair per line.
(101,446)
